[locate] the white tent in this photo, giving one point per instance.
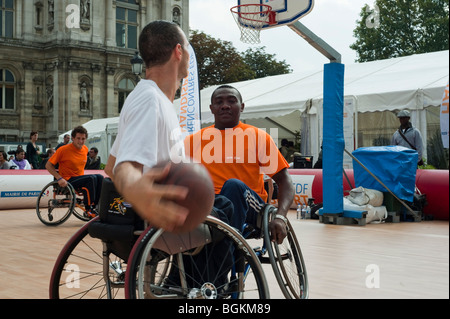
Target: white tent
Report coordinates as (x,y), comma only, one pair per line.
(414,82)
(293,102)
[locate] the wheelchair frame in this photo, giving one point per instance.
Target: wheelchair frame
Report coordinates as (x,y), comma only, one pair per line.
(55,204)
(146,272)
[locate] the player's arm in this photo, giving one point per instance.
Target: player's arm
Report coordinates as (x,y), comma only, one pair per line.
(52,170)
(286,191)
(286,194)
(153,202)
(109,168)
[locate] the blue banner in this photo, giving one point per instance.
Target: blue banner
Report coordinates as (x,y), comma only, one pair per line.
(18,194)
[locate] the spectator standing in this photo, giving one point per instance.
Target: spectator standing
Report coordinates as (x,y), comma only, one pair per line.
(32,154)
(408,136)
(65,141)
(284,149)
(93,160)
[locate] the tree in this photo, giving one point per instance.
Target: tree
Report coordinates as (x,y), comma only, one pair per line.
(397,28)
(219,62)
(264,64)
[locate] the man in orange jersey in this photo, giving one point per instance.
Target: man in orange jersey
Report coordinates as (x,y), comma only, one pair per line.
(72,159)
(238,156)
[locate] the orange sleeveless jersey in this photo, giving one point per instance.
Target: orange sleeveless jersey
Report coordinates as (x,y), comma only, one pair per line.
(244,152)
(71,160)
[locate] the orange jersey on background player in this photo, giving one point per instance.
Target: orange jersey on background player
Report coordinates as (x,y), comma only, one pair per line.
(243,152)
(71,160)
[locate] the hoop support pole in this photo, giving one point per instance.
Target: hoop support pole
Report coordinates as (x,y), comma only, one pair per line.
(316,42)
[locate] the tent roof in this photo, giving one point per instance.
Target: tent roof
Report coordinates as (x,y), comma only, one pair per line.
(95,128)
(412,82)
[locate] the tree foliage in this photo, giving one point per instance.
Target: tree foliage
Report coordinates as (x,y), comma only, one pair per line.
(401,28)
(219,62)
(264,64)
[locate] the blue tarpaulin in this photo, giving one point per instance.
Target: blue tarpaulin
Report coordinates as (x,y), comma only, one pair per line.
(395,166)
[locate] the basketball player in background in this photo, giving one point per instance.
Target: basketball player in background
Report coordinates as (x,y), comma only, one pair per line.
(237,157)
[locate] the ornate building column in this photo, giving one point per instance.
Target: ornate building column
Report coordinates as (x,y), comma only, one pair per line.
(110,25)
(53,102)
(111,104)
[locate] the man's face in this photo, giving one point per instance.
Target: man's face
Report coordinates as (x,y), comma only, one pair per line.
(91,153)
(227,108)
(66,139)
(79,140)
(404,121)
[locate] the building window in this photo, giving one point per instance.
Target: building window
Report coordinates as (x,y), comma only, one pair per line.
(7,90)
(125,88)
(6,18)
(127,24)
(39,22)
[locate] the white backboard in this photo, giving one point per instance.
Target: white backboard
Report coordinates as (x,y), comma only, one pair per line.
(288,11)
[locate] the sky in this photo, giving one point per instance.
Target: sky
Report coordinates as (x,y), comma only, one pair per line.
(331,20)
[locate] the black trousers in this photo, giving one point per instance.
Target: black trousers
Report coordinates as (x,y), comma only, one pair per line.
(90,186)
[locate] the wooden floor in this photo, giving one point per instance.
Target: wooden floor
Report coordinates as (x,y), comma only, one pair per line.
(408,260)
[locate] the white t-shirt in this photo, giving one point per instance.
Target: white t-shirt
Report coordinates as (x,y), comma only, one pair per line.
(149,131)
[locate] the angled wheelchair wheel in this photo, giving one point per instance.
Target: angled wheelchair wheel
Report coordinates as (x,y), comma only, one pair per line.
(85,269)
(286,260)
(55,204)
(212,262)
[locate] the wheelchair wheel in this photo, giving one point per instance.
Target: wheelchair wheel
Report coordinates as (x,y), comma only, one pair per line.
(212,262)
(84,269)
(286,260)
(55,204)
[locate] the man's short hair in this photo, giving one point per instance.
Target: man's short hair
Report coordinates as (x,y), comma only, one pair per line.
(157,40)
(226,86)
(80,130)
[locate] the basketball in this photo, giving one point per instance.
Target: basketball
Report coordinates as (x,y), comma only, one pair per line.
(200,198)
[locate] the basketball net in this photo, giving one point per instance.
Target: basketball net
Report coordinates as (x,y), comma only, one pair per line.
(250,19)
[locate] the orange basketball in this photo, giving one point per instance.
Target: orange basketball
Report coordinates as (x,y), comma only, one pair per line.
(200,198)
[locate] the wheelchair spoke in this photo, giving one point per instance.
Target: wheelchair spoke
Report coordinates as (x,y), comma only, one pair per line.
(80,271)
(212,268)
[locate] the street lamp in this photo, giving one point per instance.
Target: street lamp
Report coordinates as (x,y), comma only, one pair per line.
(136,65)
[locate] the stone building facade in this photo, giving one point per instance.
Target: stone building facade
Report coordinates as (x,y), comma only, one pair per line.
(65,62)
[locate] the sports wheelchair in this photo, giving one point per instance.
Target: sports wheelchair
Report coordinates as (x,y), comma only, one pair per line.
(55,204)
(117,256)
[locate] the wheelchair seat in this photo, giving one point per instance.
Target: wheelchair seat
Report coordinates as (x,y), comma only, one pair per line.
(118,224)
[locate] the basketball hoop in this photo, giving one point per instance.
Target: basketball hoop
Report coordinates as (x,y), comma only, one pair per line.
(251,18)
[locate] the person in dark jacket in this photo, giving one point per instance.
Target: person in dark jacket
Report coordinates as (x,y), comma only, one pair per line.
(93,161)
(33,152)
